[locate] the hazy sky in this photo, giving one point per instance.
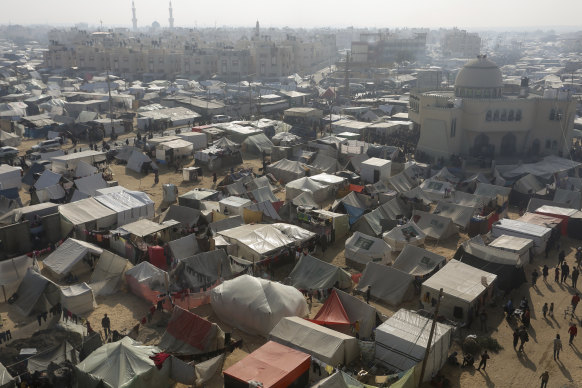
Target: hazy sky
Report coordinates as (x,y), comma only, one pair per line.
(300,13)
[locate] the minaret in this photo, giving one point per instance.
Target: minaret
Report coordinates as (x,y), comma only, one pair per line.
(134,20)
(171,16)
(257,30)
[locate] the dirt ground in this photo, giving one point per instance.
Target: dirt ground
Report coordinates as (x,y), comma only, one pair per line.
(505,368)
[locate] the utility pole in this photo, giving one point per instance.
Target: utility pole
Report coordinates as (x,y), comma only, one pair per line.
(110,104)
(434,322)
(347,77)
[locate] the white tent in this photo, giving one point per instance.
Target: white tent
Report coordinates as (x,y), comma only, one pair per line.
(518,245)
(286,170)
(327,345)
(6,379)
(68,258)
(311,273)
(418,261)
(320,191)
(435,189)
(9,139)
(12,271)
(129,205)
(407,234)
(387,284)
(434,225)
(234,205)
(373,170)
(125,363)
(36,293)
(401,343)
(108,273)
(462,286)
(85,169)
(256,305)
(361,249)
(461,215)
(10,177)
(86,213)
(78,298)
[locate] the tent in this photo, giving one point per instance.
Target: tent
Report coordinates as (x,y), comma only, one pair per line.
(78,298)
(129,206)
(325,344)
(57,355)
(371,223)
(352,204)
(273,366)
(286,170)
(463,285)
(108,272)
(185,216)
(526,187)
(401,343)
(233,205)
(461,215)
(257,144)
(373,170)
(90,184)
(401,182)
(560,213)
(418,261)
(445,175)
(10,177)
(9,139)
(195,197)
(184,247)
(320,191)
(539,234)
(85,169)
(332,314)
(434,225)
(36,293)
(518,245)
(402,235)
(569,197)
(361,249)
(148,281)
(311,273)
(388,285)
(324,163)
(435,189)
(547,221)
(256,305)
(12,271)
(72,256)
(125,363)
(6,380)
(263,194)
(188,334)
(86,214)
(47,179)
(535,203)
(138,162)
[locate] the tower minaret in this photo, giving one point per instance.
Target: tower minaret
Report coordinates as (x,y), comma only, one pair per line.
(257,30)
(171,16)
(134,19)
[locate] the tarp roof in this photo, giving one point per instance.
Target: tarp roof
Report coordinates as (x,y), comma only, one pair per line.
(62,260)
(545,168)
(491,191)
(184,247)
(387,284)
(311,273)
(461,215)
(418,261)
(12,271)
(90,184)
(36,293)
(86,210)
(142,228)
(47,179)
(569,197)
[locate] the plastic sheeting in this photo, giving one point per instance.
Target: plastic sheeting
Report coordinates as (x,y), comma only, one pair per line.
(361,249)
(434,225)
(388,284)
(36,293)
(286,170)
(78,298)
(147,281)
(47,179)
(319,191)
(12,271)
(129,206)
(461,215)
(68,257)
(311,273)
(256,305)
(86,211)
(90,184)
(10,177)
(107,274)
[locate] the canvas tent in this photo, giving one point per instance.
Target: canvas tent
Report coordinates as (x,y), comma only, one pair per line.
(388,285)
(462,286)
(351,204)
(325,344)
(72,256)
(138,162)
(418,261)
(286,170)
(12,271)
(461,215)
(189,334)
(407,234)
(36,293)
(90,184)
(78,298)
(234,205)
(184,247)
(10,177)
(434,225)
(273,366)
(401,343)
(435,189)
(358,310)
(319,191)
(108,273)
(147,281)
(361,249)
(86,214)
(58,354)
(129,206)
(311,273)
(256,305)
(518,245)
(9,139)
(569,197)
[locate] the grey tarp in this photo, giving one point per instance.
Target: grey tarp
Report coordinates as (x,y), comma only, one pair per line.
(57,355)
(569,197)
(360,311)
(361,248)
(418,261)
(311,273)
(108,273)
(206,268)
(434,225)
(186,216)
(36,293)
(461,215)
(184,247)
(12,271)
(286,170)
(389,285)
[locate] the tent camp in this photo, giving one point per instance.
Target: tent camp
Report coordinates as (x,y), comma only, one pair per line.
(461,215)
(435,226)
(287,170)
(418,261)
(12,271)
(319,191)
(36,293)
(360,249)
(463,285)
(401,343)
(71,257)
(311,273)
(325,344)
(388,285)
(407,234)
(273,366)
(125,363)
(78,298)
(189,334)
(539,234)
(256,305)
(148,281)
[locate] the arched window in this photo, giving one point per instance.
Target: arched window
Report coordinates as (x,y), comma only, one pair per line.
(488,115)
(518,115)
(503,115)
(496,116)
(510,115)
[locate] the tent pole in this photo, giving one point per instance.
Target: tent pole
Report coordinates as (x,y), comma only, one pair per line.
(434,318)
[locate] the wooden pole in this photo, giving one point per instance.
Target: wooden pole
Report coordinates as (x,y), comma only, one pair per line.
(436,312)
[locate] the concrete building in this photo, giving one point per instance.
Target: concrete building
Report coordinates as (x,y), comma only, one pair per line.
(381,49)
(477,119)
(460,43)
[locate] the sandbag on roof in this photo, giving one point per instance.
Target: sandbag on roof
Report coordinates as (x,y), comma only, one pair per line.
(256,305)
(418,261)
(188,333)
(361,249)
(389,285)
(36,293)
(68,258)
(311,273)
(434,225)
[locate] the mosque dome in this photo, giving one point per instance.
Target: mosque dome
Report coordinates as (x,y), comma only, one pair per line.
(479,78)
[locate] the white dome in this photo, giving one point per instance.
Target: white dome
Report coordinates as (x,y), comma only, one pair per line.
(479,73)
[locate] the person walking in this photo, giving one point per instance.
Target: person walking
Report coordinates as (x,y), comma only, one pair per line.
(545,309)
(575,301)
(545,378)
(557,347)
(515,338)
(557,272)
(106,323)
(573,331)
(368,291)
(524,337)
(483,319)
(561,257)
(484,358)
(545,272)
(551,312)
(534,277)
(575,274)
(565,272)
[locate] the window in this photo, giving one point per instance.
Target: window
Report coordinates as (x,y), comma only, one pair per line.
(510,115)
(488,115)
(518,115)
(453,127)
(496,116)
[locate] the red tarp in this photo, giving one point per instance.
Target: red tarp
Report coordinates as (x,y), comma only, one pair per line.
(189,328)
(332,312)
(563,218)
(157,257)
(356,188)
(273,364)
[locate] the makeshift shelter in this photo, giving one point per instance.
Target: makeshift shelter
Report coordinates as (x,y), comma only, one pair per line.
(195,197)
(434,225)
(402,340)
(12,271)
(352,205)
(108,272)
(10,177)
(445,175)
(129,205)
(401,182)
(140,162)
(6,380)
(518,245)
(184,247)
(325,164)
(319,191)
(461,215)
(418,261)
(257,144)
(273,366)
(71,257)
(526,188)
(256,305)
(9,139)
(36,293)
(464,287)
(286,170)
(336,183)
(435,189)
(86,214)
(311,273)
(188,334)
(373,170)
(327,345)
(388,285)
(402,235)
(56,355)
(183,216)
(539,234)
(173,149)
(67,164)
(546,221)
(78,298)
(358,310)
(125,363)
(234,205)
(360,249)
(370,223)
(147,281)
(560,213)
(569,197)
(332,314)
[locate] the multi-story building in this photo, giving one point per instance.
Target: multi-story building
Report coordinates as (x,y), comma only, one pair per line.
(382,49)
(460,43)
